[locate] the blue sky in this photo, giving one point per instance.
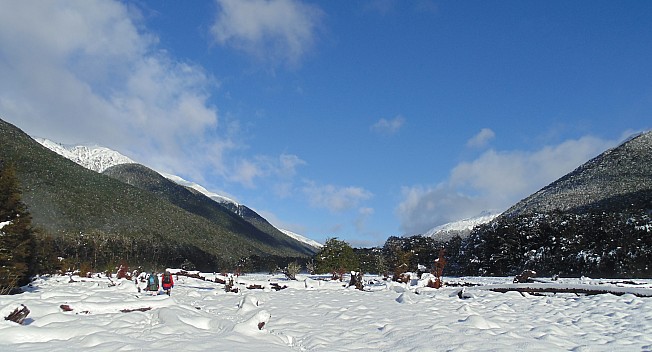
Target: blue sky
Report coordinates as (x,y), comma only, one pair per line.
(352,119)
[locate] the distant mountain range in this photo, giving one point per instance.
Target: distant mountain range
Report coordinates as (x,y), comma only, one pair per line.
(100,159)
(127,200)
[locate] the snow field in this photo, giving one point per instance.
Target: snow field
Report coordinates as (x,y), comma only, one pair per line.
(318,315)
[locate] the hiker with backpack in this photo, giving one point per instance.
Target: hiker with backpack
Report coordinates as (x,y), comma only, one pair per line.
(152,283)
(168,283)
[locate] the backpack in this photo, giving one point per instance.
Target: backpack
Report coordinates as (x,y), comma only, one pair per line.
(152,280)
(166,278)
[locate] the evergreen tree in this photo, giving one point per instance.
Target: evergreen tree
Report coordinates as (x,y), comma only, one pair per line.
(336,256)
(16,234)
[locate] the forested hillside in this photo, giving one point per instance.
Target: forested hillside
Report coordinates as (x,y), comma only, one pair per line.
(91,215)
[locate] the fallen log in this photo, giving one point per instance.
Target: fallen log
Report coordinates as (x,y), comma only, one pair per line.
(135,310)
(277,287)
(573,289)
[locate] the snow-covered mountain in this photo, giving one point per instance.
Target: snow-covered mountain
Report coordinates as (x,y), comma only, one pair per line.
(95,158)
(462,227)
(99,158)
(214,196)
(303,239)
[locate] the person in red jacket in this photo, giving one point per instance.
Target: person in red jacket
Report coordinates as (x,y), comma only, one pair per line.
(167,282)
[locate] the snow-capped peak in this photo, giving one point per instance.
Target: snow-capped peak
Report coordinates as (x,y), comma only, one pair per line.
(94,158)
(462,227)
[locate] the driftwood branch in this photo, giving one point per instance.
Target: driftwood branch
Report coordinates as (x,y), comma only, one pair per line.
(18,315)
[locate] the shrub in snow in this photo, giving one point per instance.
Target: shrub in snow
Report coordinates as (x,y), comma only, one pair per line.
(123,272)
(229,285)
(525,276)
(310,266)
(440,262)
(356,280)
(187,265)
(403,277)
(292,270)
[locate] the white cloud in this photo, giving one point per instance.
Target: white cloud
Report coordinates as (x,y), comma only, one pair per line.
(481,139)
(494,181)
(335,198)
(283,168)
(288,164)
(388,127)
(277,30)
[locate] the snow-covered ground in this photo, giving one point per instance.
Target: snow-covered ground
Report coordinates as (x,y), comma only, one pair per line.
(318,315)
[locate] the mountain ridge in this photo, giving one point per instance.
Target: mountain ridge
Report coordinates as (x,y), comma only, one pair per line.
(595,220)
(67,199)
(618,173)
(99,159)
(197,203)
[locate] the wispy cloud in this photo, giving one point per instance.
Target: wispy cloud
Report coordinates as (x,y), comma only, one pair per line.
(390,7)
(276,30)
(493,181)
(388,127)
(335,198)
(382,7)
(283,167)
(481,139)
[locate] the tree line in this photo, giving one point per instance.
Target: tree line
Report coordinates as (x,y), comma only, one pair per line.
(597,244)
(557,243)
